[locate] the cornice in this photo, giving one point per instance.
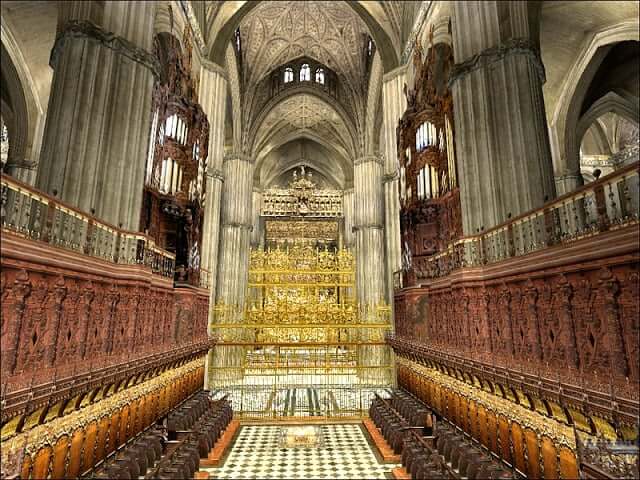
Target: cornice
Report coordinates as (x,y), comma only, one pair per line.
(415,31)
(86,29)
(193,24)
(513,46)
(365,226)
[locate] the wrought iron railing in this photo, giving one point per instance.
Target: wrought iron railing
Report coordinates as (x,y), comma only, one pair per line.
(606,204)
(35,215)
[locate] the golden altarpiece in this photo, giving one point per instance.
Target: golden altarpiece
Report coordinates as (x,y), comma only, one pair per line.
(299,341)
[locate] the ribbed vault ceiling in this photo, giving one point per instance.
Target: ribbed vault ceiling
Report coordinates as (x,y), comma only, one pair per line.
(302,115)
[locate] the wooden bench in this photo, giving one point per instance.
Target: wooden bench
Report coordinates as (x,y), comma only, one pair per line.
(218,450)
(386,452)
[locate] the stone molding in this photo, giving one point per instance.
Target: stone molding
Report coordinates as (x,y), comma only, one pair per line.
(214,67)
(367,159)
(239,156)
(390,177)
(513,46)
(86,29)
(364,226)
(247,226)
(396,72)
(216,174)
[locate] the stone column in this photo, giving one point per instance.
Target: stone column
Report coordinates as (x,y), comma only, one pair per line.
(504,160)
(394,103)
(97,128)
(256,205)
(233,263)
(212,96)
(347,209)
(568,182)
(368,210)
(370,262)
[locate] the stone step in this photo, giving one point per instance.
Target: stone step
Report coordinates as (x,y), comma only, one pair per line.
(218,450)
(400,473)
(386,452)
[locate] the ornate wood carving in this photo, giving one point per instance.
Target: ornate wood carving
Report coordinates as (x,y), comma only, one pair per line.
(428,223)
(62,322)
(582,323)
(176,174)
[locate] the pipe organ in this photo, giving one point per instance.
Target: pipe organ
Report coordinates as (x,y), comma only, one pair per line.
(177,160)
(429,195)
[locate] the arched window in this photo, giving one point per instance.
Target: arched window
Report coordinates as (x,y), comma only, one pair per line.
(320,76)
(369,47)
(288,75)
(238,43)
(4,145)
(305,73)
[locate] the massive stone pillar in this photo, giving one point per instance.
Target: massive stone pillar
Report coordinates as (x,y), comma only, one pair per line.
(369,217)
(97,129)
(370,263)
(212,96)
(504,160)
(233,265)
(394,104)
(257,233)
(213,99)
(348,240)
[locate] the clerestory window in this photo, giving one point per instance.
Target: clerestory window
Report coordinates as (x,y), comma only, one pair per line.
(305,73)
(288,75)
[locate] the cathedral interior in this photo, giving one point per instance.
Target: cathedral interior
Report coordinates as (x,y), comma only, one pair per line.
(320,239)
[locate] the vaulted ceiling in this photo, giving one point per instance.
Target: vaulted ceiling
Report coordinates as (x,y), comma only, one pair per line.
(304,115)
(274,33)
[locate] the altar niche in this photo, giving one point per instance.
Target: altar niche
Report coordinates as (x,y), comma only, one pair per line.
(296,346)
(297,343)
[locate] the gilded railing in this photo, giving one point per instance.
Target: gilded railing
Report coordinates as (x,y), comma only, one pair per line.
(35,215)
(606,204)
(300,345)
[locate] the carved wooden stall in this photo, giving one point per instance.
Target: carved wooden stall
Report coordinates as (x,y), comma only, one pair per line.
(175,178)
(535,445)
(72,445)
(429,194)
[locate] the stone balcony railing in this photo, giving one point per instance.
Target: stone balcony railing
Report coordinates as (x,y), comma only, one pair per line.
(32,214)
(606,204)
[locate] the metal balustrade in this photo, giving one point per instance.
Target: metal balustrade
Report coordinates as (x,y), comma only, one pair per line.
(606,204)
(32,214)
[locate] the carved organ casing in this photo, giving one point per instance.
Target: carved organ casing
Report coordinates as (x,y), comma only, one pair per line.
(429,194)
(175,178)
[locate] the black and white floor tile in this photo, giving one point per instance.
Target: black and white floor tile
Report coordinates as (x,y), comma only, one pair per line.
(344,454)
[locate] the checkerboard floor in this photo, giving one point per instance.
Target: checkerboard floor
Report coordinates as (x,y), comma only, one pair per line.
(345,453)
